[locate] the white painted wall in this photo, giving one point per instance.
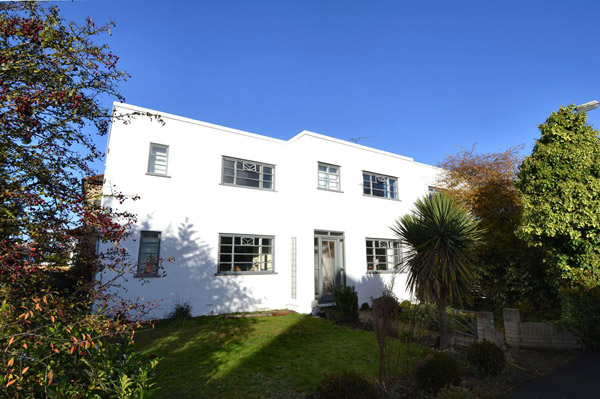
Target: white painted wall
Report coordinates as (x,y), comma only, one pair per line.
(191,208)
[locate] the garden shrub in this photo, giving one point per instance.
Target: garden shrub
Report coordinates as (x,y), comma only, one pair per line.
(181,311)
(437,371)
(406,304)
(486,357)
(347,385)
(80,360)
(365,306)
(386,306)
(428,317)
(581,315)
(454,392)
(346,300)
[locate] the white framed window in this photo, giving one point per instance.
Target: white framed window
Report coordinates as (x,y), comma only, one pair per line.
(240,172)
(239,253)
(148,254)
(383,254)
(376,185)
(158,159)
(329,177)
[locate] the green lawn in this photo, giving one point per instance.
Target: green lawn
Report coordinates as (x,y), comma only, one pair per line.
(257,357)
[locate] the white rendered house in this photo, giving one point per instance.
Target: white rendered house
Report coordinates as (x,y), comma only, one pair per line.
(254,222)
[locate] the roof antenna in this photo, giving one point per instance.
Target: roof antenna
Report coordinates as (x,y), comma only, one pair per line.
(355,139)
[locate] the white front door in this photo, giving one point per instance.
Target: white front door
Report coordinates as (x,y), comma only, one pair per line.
(329,264)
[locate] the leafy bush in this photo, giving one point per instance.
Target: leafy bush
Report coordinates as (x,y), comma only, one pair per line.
(486,357)
(387,306)
(437,371)
(347,385)
(427,316)
(454,392)
(406,304)
(346,300)
(123,374)
(365,306)
(181,311)
(581,315)
(92,357)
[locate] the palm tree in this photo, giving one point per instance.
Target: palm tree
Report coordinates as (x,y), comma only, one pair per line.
(441,237)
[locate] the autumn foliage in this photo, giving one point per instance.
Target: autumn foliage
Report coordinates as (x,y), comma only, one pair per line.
(53,80)
(511,273)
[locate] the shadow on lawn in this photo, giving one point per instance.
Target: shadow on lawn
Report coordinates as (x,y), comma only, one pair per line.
(295,360)
(195,352)
(260,357)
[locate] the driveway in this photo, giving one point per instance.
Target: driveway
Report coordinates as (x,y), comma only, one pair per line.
(580,378)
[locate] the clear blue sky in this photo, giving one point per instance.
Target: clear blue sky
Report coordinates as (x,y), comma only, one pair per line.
(422,76)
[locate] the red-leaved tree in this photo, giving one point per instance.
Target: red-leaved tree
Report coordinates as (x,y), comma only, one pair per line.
(53,81)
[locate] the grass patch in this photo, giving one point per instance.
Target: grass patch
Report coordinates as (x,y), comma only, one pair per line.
(256,357)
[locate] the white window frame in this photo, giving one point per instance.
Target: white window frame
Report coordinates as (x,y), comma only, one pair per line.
(142,267)
(392,260)
(150,165)
(261,262)
(387,186)
(247,165)
(327,174)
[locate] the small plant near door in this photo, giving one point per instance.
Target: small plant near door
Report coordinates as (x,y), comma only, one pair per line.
(346,301)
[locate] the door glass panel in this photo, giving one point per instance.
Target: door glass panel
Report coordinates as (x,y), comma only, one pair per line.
(329,264)
(328,268)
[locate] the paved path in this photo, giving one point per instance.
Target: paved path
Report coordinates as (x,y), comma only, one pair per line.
(580,378)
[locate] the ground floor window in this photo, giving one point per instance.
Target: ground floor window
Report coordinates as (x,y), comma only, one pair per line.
(148,254)
(383,254)
(245,253)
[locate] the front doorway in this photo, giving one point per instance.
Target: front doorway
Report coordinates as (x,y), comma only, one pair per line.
(329,264)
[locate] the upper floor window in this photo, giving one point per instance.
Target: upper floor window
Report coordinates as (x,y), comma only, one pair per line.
(149,254)
(239,172)
(383,254)
(158,159)
(245,253)
(329,177)
(380,185)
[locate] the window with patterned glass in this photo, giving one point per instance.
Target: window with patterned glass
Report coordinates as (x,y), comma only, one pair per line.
(383,254)
(239,172)
(158,159)
(245,253)
(329,177)
(380,185)
(148,255)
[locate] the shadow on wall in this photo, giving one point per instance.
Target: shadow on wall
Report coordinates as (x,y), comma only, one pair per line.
(370,286)
(190,277)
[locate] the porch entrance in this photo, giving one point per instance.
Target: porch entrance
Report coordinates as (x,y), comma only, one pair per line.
(329,264)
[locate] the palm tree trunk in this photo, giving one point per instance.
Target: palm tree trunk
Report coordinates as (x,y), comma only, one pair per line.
(444,336)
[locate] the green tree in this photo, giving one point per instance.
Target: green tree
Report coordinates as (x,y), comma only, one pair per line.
(559,185)
(510,273)
(441,237)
